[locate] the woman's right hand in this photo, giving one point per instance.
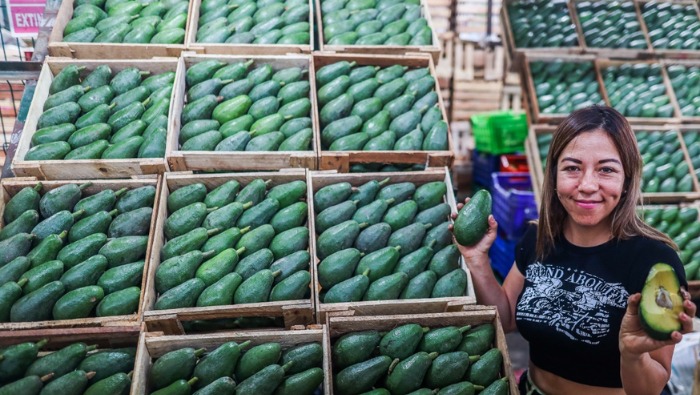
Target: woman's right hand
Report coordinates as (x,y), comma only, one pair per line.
(482,247)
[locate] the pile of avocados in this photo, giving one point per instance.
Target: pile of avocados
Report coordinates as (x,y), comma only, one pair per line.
(384,241)
(254,22)
(414,359)
(96,114)
(562,87)
(685,81)
(127,21)
(66,255)
(610,24)
(234,244)
(230,107)
(638,90)
(665,167)
(369,108)
(671,26)
(233,368)
(682,226)
(542,24)
(375,22)
(77,368)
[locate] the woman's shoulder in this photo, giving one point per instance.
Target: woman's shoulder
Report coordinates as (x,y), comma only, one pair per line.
(647,249)
(646,244)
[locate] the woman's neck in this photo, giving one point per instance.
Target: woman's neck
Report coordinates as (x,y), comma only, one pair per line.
(587,236)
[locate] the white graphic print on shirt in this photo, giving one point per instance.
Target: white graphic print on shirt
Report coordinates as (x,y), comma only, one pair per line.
(573,302)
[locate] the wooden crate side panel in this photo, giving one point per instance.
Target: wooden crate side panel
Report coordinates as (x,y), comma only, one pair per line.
(341,160)
(339,325)
(57,47)
(9,187)
(155,346)
(85,169)
(318,180)
(240,161)
(242,49)
(294,312)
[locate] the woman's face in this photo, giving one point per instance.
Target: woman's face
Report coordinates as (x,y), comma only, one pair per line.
(590,180)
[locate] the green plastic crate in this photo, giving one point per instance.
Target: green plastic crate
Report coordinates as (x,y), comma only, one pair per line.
(500,132)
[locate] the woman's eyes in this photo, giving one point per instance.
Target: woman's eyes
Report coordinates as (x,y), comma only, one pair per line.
(605,170)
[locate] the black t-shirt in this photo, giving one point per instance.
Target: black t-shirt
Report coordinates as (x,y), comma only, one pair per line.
(572,304)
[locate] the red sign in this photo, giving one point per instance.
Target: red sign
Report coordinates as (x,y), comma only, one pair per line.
(26,16)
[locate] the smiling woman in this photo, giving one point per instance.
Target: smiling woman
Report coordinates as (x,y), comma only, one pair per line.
(574,290)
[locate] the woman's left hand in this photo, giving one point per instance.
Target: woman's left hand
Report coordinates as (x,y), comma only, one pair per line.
(633,338)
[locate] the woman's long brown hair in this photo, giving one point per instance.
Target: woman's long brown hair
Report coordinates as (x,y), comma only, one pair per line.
(625,221)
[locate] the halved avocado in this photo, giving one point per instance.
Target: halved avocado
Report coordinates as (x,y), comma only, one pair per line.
(661,302)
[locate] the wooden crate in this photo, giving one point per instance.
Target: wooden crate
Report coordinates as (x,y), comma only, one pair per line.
(103,338)
(473,62)
(445,69)
(464,142)
(528,84)
(10,186)
(471,19)
(511,98)
(661,52)
(339,324)
(84,168)
(516,54)
(341,160)
(239,161)
(613,53)
(57,47)
(441,13)
(432,50)
(294,312)
(537,172)
(153,345)
(318,180)
(672,92)
(473,97)
(242,49)
(602,64)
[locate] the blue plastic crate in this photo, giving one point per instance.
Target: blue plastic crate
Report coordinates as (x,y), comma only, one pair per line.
(513,203)
(502,254)
(483,165)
